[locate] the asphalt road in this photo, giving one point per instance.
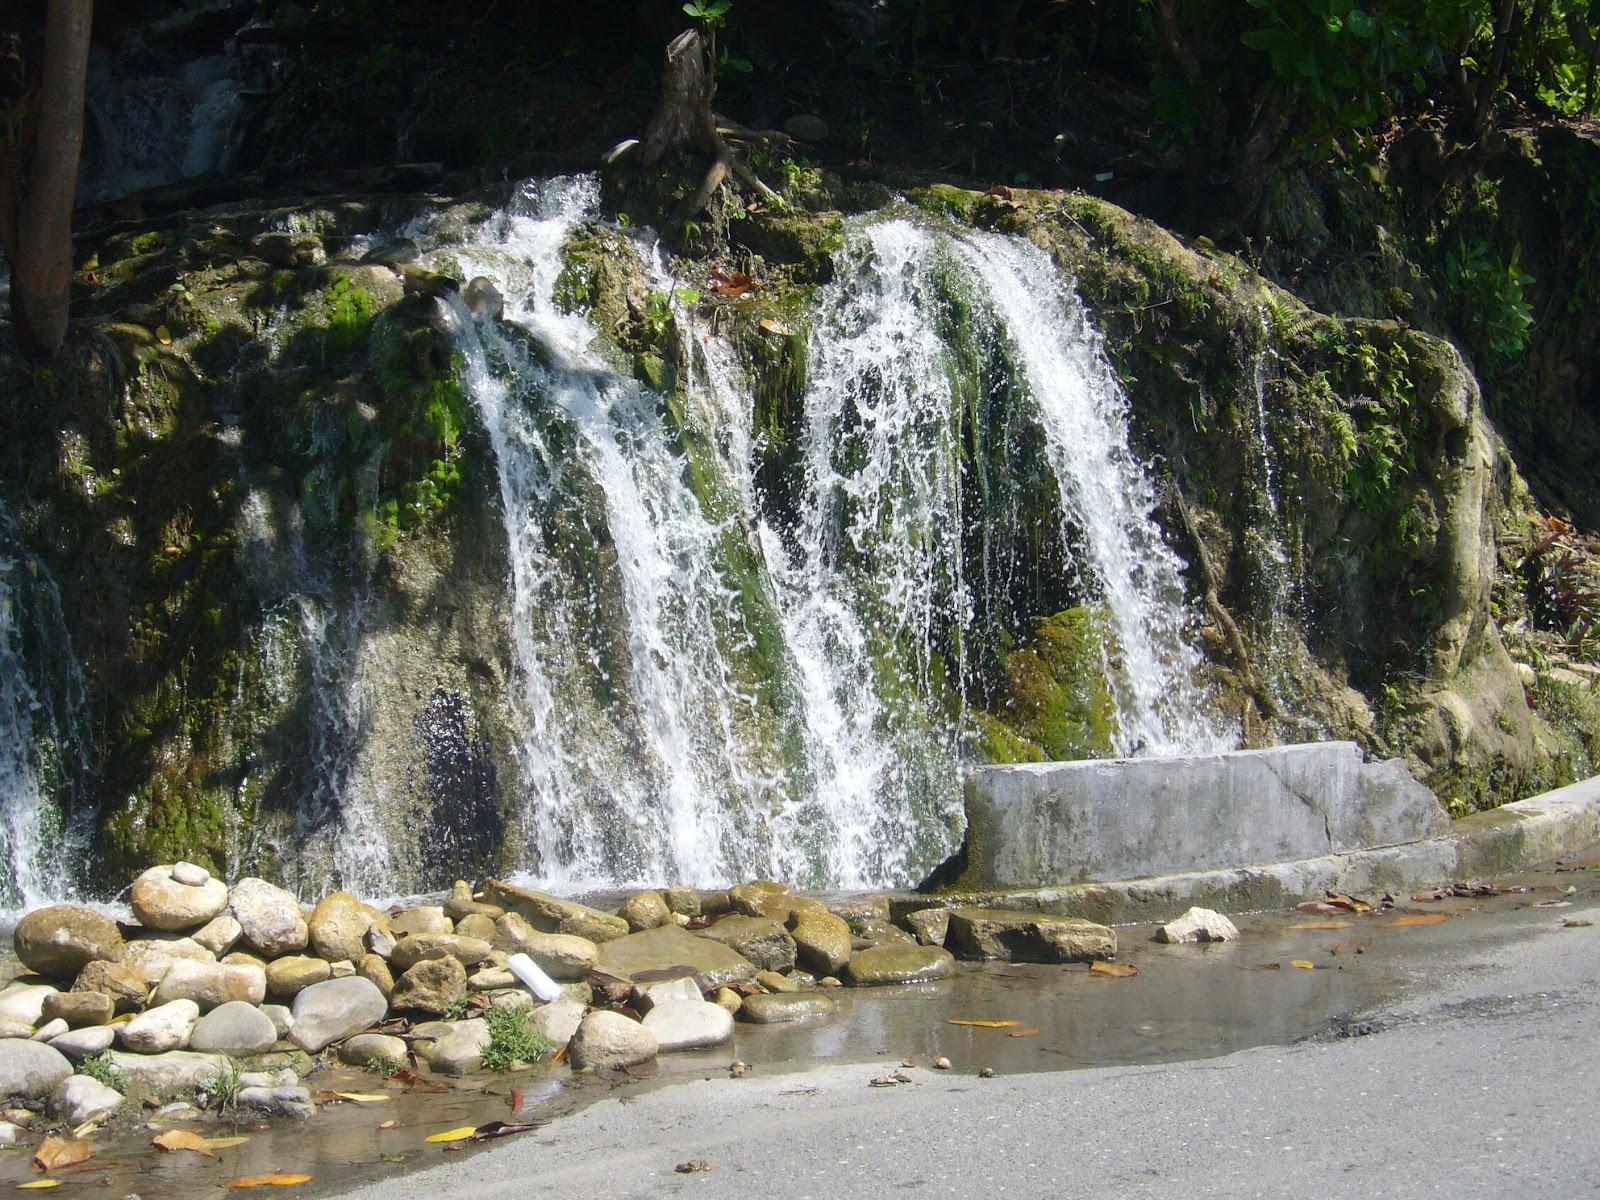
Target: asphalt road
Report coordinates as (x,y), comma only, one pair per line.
(1487,1086)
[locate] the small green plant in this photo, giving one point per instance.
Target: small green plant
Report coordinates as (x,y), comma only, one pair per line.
(379,1065)
(457,1009)
(98,1068)
(220,1090)
(512,1039)
(712,14)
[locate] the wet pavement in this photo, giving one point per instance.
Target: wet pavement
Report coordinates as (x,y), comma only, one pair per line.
(1186,1002)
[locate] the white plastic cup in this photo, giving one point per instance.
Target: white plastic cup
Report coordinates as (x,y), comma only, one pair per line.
(534,978)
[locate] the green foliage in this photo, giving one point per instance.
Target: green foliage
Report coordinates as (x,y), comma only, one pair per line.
(384,1066)
(712,14)
(457,1009)
(221,1089)
(98,1068)
(1490,296)
(512,1039)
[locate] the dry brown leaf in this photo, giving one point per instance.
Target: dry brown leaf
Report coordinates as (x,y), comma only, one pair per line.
(278,1179)
(56,1152)
(1418,919)
(730,283)
(1576,923)
(1114,970)
(979,1023)
(1265,967)
(1029,1032)
(693,1165)
(183,1139)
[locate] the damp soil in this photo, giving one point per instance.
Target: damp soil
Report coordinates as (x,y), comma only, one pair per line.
(1186,1002)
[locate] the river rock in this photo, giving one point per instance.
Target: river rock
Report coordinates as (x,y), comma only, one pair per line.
(243,958)
(30,1070)
(729,999)
(331,1011)
(483,299)
(752,900)
(162,901)
(79,1008)
(806,127)
(764,942)
(211,984)
(645,910)
(463,904)
(177,1072)
(860,907)
(191,874)
(234,1028)
(218,935)
(688,1025)
(425,918)
(774,982)
(866,932)
(420,947)
(683,901)
(78,1099)
(549,914)
(380,942)
(562,956)
(126,986)
(341,969)
(150,957)
(282,1019)
(15,1029)
(375,968)
(59,941)
(368,1047)
(610,1041)
(269,917)
(648,994)
(822,941)
(432,986)
(881,965)
(477,926)
(491,979)
(24,1002)
(292,974)
(557,1023)
(460,1052)
(81,1043)
(773,1008)
(159,1029)
(1199,925)
(1013,936)
(289,1100)
(929,926)
(50,1029)
(714,963)
(339,924)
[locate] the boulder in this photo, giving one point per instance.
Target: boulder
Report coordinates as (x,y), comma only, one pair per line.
(218,935)
(822,941)
(688,1025)
(15,1029)
(764,942)
(549,914)
(1199,925)
(210,984)
(235,1028)
(50,1029)
(126,986)
(773,1008)
(929,926)
(491,979)
(610,1041)
(375,968)
(177,1072)
(806,127)
(269,918)
(163,902)
(78,1099)
(61,940)
(650,993)
(752,900)
(380,942)
(425,918)
(331,1011)
(654,949)
(562,956)
(24,1002)
(288,1099)
(1027,936)
(292,974)
(282,1019)
(30,1070)
(866,932)
(159,1029)
(369,1047)
(79,1008)
(460,1052)
(432,985)
(339,924)
(557,1023)
(882,965)
(645,910)
(683,901)
(420,947)
(150,957)
(243,958)
(774,982)
(81,1043)
(463,904)
(861,907)
(476,925)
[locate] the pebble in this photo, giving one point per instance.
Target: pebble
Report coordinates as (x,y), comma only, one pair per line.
(190,874)
(941,1063)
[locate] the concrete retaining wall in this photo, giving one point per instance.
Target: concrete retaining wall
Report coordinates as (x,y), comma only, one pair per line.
(1053,824)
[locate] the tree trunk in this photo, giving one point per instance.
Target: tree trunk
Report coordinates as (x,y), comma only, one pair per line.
(44,180)
(683,120)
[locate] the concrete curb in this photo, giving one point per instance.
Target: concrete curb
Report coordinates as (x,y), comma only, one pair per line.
(1509,838)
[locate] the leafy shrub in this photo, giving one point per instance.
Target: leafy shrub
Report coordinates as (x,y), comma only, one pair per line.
(511,1039)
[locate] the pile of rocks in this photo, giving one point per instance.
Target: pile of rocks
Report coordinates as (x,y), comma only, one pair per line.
(211,981)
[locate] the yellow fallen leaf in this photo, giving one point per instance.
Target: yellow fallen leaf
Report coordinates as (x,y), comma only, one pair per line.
(1322,925)
(1305,964)
(278,1180)
(1419,919)
(226,1143)
(1113,970)
(163,335)
(364,1097)
(459,1134)
(772,326)
(183,1139)
(39,1183)
(56,1152)
(121,1019)
(976,1024)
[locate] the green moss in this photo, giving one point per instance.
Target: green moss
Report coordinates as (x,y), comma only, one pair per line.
(1055,693)
(349,317)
